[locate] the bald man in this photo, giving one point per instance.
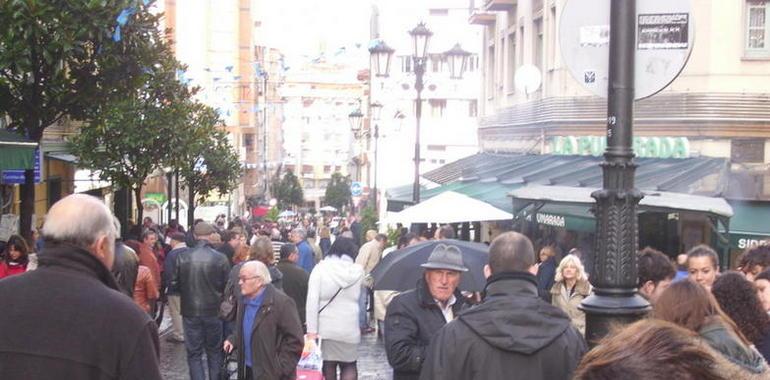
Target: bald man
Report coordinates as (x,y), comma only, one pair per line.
(268,331)
(529,339)
(69,319)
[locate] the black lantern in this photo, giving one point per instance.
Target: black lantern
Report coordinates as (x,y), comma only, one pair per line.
(457,58)
(376,109)
(421,36)
(356,118)
(381,54)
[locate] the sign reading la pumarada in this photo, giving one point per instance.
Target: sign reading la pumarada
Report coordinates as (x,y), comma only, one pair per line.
(655,147)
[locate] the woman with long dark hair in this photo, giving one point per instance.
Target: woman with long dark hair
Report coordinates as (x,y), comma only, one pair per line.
(15,257)
(738,299)
(691,306)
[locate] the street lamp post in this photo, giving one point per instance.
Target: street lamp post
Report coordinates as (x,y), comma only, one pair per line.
(420,36)
(376,110)
(381,55)
(169,172)
(615,299)
(356,119)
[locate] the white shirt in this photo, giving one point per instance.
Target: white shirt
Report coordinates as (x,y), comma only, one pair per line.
(447,311)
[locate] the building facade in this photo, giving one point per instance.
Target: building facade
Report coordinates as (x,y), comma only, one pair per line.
(450,107)
(317,138)
(719,105)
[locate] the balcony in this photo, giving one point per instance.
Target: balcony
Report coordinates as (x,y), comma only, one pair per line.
(499,5)
(482,18)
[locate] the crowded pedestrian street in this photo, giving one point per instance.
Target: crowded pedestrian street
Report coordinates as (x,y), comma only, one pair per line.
(372,362)
(384,190)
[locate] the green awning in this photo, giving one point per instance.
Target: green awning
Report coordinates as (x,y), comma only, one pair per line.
(16,152)
(749,225)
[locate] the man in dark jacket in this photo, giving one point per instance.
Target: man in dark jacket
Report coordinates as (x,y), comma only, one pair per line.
(295,279)
(200,276)
(512,334)
(67,319)
(178,247)
(268,332)
(414,317)
(125,268)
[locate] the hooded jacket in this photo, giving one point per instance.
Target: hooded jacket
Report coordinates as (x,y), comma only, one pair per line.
(340,312)
(512,334)
(412,319)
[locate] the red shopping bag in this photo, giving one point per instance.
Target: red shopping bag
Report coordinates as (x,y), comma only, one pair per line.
(311,361)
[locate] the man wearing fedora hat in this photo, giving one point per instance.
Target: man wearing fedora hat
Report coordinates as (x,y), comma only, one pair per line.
(415,316)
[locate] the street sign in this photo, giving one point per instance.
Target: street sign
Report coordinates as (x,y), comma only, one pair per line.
(16,177)
(664,38)
(356,189)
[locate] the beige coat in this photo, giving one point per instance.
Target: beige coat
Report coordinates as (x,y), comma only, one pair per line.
(569,304)
(369,255)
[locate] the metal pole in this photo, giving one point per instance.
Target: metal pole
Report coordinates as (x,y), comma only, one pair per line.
(169,189)
(419,70)
(264,138)
(376,145)
(615,299)
(176,191)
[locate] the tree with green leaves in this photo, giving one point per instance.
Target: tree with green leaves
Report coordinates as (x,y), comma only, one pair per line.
(130,138)
(338,192)
(206,160)
(287,190)
(64,60)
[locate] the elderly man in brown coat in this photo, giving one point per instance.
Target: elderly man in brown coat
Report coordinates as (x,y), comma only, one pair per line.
(268,333)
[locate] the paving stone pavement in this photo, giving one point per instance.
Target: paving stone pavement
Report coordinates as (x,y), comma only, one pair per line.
(372,361)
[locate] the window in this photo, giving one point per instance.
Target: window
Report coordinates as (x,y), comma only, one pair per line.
(551,38)
(439,12)
(537,35)
(406,63)
(473,63)
(435,63)
(248,141)
(437,107)
(307,169)
(473,108)
(491,71)
(327,168)
(747,150)
(437,148)
(511,63)
(757,30)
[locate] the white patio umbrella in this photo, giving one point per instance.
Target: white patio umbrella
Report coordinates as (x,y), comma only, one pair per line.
(286,214)
(328,209)
(449,207)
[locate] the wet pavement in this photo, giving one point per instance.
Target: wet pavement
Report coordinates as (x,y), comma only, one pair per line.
(372,361)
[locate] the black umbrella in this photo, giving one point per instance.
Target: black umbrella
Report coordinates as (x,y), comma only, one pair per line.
(400,269)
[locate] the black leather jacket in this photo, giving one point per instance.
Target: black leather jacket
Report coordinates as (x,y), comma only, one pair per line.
(200,276)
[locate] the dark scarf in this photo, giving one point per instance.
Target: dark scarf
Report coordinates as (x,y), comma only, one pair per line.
(71,257)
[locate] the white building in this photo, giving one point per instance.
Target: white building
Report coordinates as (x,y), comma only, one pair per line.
(448,129)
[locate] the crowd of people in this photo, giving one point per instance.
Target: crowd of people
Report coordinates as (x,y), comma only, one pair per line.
(255,293)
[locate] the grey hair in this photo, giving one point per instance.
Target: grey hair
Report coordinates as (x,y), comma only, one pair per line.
(260,270)
(79,219)
(300,231)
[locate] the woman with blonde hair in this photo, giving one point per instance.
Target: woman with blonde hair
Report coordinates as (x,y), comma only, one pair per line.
(570,288)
